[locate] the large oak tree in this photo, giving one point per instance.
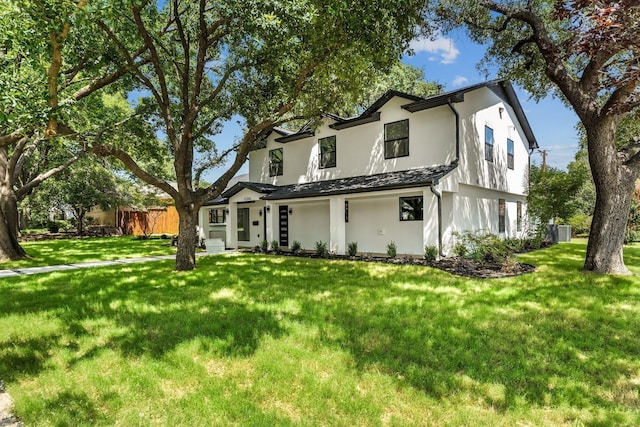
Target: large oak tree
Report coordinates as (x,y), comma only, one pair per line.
(269,62)
(589,53)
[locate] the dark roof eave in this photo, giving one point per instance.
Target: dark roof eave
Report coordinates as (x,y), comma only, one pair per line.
(430,182)
(295,137)
(374,117)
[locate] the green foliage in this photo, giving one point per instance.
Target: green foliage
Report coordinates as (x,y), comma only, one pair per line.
(485,247)
(296,247)
(264,246)
(392,250)
(430,253)
(460,249)
(321,248)
(580,224)
(58,225)
(275,246)
(352,248)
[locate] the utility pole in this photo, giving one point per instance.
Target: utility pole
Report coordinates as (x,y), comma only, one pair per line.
(544,160)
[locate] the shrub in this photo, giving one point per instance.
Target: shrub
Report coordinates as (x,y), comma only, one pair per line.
(57,225)
(321,248)
(392,250)
(580,224)
(296,247)
(352,248)
(460,250)
(264,246)
(275,247)
(485,247)
(430,253)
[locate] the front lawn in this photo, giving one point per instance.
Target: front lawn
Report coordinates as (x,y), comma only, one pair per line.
(266,340)
(70,251)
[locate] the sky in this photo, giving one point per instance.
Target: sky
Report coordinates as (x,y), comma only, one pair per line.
(452,62)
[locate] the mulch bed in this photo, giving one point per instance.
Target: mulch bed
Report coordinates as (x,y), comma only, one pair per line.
(454,265)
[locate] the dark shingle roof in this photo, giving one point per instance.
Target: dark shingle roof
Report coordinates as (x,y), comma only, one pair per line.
(258,187)
(361,184)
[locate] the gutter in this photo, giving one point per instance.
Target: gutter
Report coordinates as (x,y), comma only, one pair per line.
(455,112)
(439,197)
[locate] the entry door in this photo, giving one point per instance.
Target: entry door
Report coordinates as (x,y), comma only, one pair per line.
(284,226)
(243,225)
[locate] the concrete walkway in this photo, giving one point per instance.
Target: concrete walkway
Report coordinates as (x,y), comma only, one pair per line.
(90,264)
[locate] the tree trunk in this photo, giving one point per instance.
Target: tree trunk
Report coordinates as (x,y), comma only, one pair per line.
(614,184)
(188,238)
(10,249)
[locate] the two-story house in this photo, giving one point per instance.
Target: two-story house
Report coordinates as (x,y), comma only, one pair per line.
(408,169)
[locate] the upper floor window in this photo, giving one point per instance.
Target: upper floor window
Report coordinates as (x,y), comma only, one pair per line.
(327,152)
(488,143)
(510,153)
(396,139)
(411,208)
(217,216)
(275,162)
(502,213)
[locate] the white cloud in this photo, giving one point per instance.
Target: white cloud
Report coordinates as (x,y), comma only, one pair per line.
(460,81)
(443,47)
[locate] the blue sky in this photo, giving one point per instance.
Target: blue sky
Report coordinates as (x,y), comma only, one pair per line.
(451,61)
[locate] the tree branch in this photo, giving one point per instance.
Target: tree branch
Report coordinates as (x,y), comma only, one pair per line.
(27,188)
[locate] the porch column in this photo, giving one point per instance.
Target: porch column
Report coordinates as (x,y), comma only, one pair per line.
(232,225)
(271,221)
(337,229)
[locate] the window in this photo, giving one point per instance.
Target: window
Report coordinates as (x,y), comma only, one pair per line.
(488,144)
(217,216)
(502,208)
(396,139)
(410,208)
(346,211)
(327,152)
(510,150)
(243,224)
(275,162)
(519,217)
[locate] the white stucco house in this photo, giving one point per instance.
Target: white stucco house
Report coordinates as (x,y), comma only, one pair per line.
(408,169)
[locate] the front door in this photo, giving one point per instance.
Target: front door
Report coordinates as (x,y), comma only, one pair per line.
(243,225)
(284,226)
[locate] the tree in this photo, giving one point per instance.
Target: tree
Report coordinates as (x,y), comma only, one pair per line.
(270,62)
(51,62)
(587,51)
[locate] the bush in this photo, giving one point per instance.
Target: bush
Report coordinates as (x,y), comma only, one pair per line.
(58,225)
(460,250)
(352,248)
(430,253)
(580,224)
(321,248)
(264,246)
(392,250)
(485,247)
(275,246)
(296,247)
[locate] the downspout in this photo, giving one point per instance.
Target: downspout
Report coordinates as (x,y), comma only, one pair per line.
(455,112)
(439,197)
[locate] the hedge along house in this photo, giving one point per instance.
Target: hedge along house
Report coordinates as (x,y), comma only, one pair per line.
(408,170)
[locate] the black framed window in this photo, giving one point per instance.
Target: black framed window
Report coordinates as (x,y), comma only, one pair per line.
(346,211)
(411,209)
(396,139)
(243,224)
(519,217)
(276,162)
(217,216)
(327,152)
(510,153)
(502,211)
(488,144)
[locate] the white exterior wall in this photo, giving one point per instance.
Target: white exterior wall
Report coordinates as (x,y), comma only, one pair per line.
(482,108)
(309,223)
(360,149)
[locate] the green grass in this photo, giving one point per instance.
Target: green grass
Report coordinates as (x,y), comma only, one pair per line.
(264,341)
(70,251)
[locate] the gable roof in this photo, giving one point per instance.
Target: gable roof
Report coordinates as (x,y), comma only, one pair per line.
(366,183)
(258,187)
(501,87)
(371,114)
